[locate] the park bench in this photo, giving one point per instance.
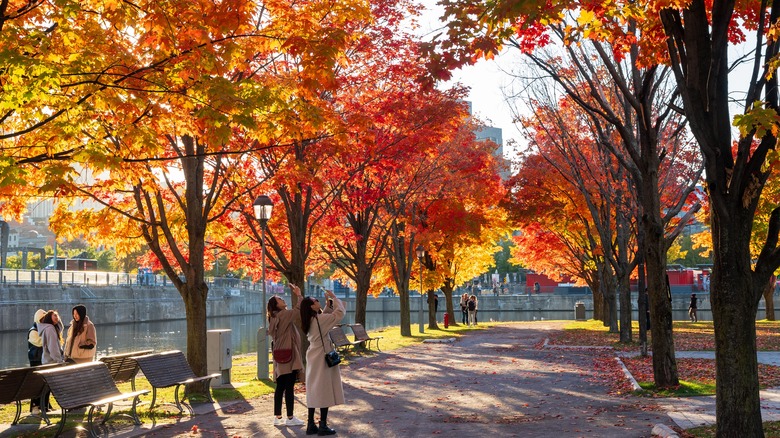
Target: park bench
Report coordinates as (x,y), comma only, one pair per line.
(170,368)
(339,339)
(360,335)
(122,367)
(87,385)
(19,384)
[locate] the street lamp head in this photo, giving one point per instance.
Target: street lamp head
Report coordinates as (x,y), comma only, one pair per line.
(263,207)
(420,252)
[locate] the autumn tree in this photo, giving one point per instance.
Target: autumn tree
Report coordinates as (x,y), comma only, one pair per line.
(566,140)
(178,94)
(464,221)
(693,38)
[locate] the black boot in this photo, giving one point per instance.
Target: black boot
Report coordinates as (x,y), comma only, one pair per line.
(325,430)
(312,429)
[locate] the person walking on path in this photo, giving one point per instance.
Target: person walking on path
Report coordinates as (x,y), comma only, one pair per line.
(81,340)
(472,307)
(464,308)
(692,309)
(282,326)
(50,330)
(323,383)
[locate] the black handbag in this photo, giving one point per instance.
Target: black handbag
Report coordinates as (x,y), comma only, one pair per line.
(332,357)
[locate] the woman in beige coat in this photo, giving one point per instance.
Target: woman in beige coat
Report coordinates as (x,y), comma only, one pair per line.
(323,383)
(282,327)
(81,340)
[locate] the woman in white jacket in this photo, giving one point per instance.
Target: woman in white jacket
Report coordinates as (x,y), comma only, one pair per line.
(323,383)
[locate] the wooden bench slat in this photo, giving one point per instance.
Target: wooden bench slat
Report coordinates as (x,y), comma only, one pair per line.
(170,368)
(339,338)
(86,385)
(361,335)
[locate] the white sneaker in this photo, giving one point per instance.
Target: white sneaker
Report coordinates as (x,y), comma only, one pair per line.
(279,422)
(35,411)
(294,422)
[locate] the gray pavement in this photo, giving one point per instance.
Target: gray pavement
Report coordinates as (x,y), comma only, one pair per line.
(689,412)
(488,382)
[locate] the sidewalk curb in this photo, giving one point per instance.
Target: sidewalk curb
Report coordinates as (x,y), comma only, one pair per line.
(664,431)
(634,384)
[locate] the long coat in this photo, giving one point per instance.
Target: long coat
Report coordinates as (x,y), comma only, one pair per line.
(87,336)
(283,329)
(323,384)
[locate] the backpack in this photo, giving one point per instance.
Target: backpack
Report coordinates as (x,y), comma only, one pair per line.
(472,305)
(34,353)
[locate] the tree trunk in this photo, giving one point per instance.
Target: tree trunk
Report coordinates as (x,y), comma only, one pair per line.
(448,290)
(660,297)
(194,296)
(406,324)
(734,298)
(610,300)
(432,324)
(769,299)
(361,295)
(598,298)
(626,331)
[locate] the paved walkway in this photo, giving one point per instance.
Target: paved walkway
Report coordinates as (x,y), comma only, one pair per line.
(492,382)
(688,412)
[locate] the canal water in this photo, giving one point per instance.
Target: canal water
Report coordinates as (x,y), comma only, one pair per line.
(172,334)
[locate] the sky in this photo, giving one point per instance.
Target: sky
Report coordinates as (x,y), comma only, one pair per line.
(485,80)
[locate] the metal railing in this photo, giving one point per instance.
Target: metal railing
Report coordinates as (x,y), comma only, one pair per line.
(98,278)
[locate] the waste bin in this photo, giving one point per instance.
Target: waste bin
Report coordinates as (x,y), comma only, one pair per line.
(579,311)
(219,358)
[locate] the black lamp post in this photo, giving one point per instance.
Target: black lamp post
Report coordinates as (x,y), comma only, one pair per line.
(263,207)
(420,255)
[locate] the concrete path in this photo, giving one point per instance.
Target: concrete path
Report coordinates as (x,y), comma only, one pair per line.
(689,412)
(488,383)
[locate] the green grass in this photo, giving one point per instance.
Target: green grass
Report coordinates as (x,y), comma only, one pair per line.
(686,389)
(245,385)
(771,430)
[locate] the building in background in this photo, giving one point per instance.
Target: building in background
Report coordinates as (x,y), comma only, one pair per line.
(496,136)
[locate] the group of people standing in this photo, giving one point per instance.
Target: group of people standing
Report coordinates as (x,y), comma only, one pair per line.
(323,383)
(47,345)
(469,307)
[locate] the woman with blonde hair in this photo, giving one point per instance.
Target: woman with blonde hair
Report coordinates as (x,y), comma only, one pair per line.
(282,323)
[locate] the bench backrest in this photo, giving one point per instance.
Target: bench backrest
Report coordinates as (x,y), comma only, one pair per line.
(338,337)
(360,332)
(22,383)
(165,369)
(77,386)
(10,382)
(123,367)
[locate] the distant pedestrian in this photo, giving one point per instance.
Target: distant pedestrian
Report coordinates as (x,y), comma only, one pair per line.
(537,287)
(81,340)
(435,303)
(35,353)
(692,309)
(464,308)
(282,323)
(323,383)
(476,310)
(472,308)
